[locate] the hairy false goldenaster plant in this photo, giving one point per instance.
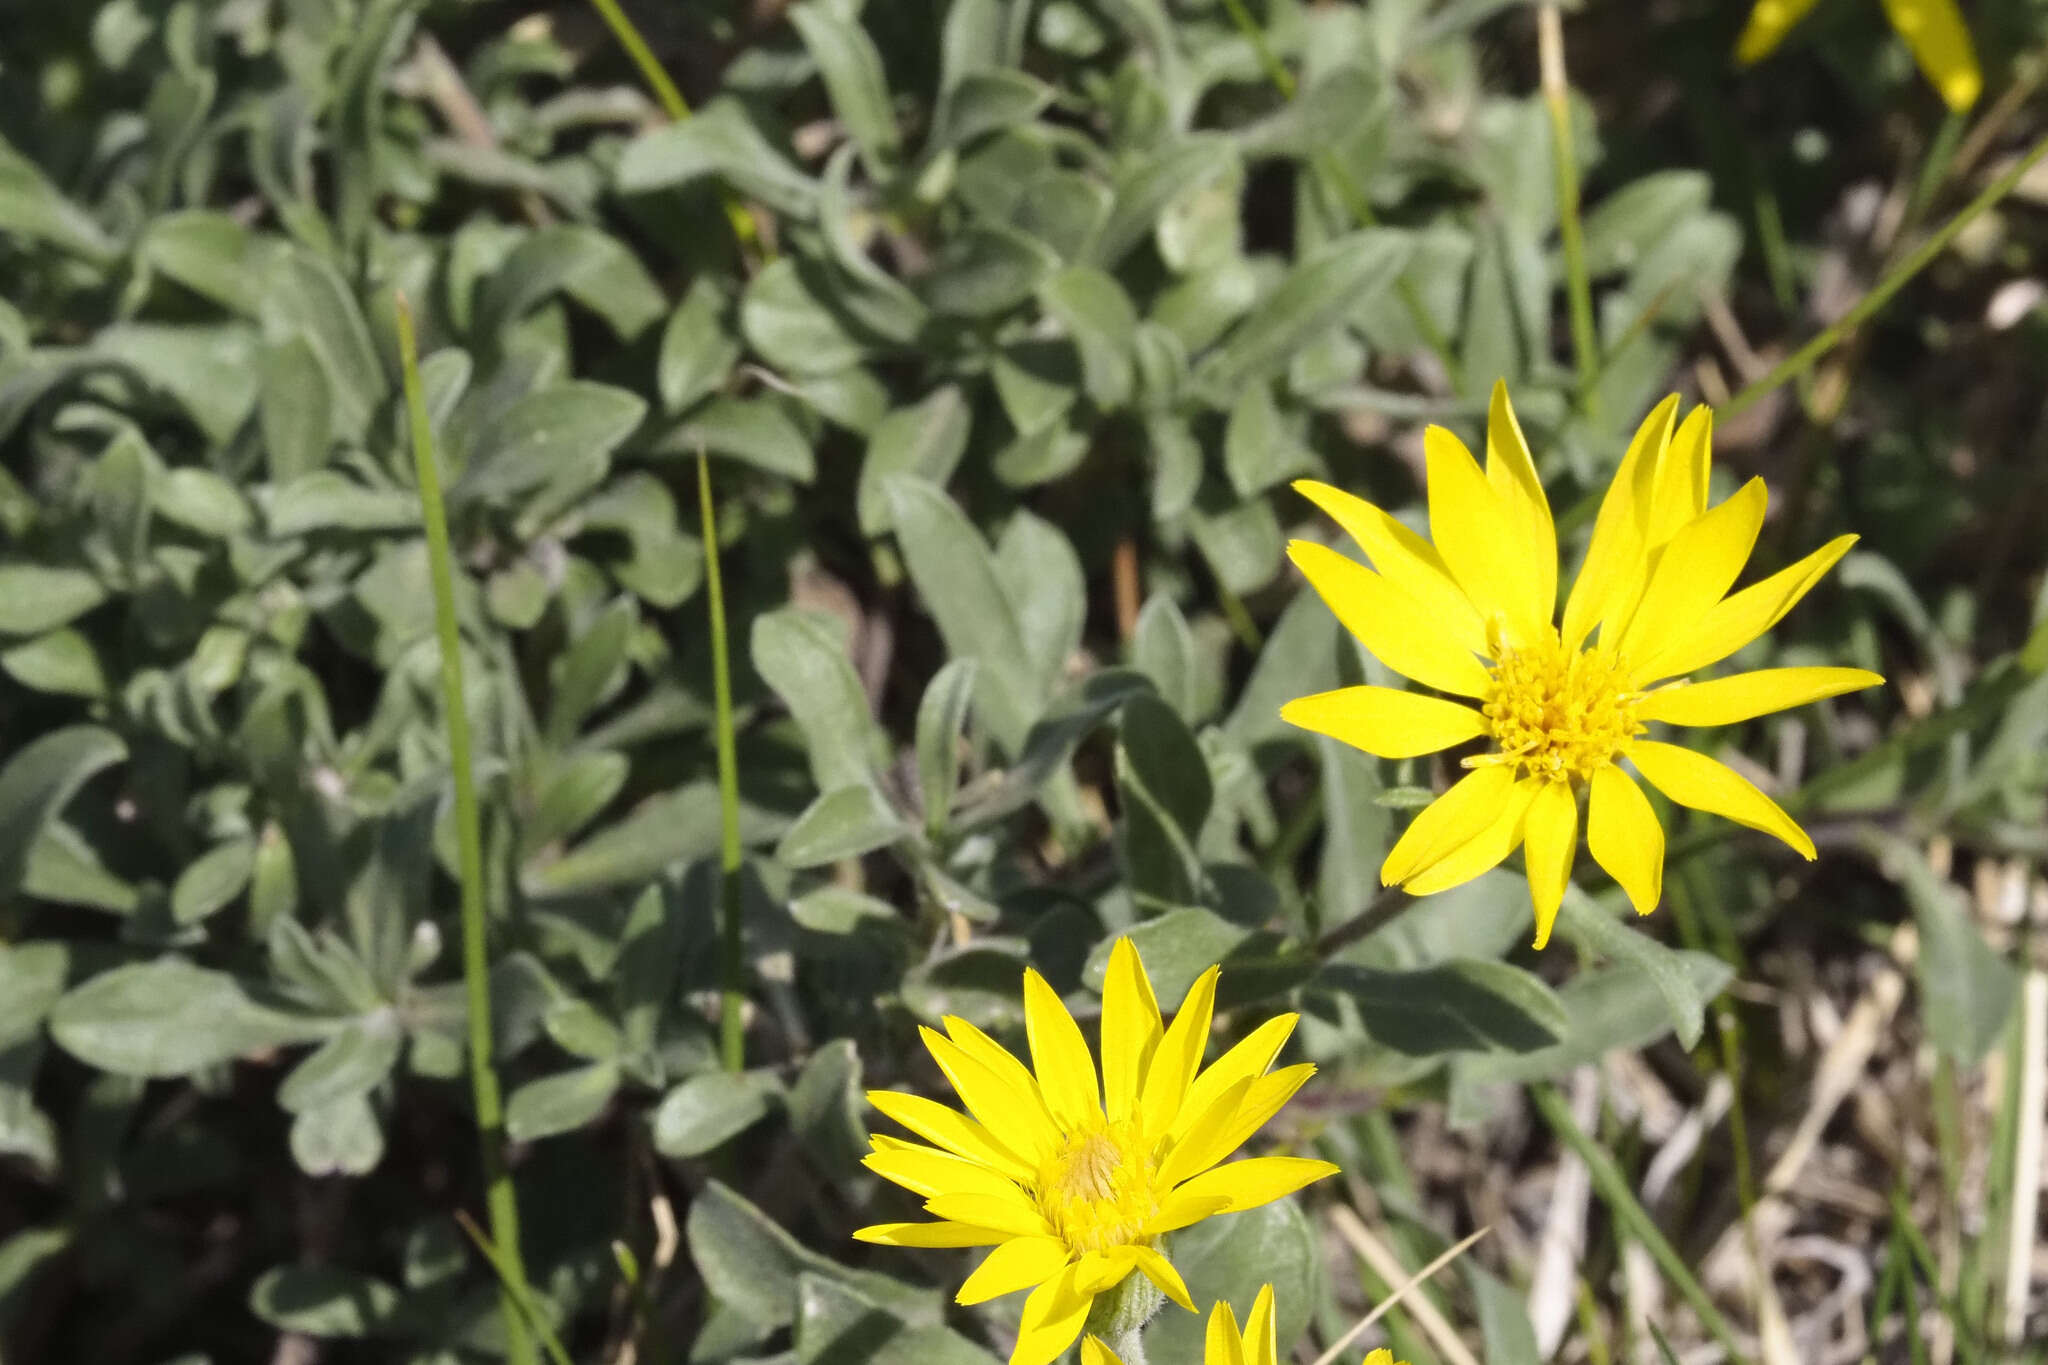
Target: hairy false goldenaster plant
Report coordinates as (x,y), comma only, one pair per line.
(1933,29)
(1073,1182)
(1258,1344)
(1560,706)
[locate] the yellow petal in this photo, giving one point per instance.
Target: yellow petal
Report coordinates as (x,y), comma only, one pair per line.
(1511,470)
(1222,1345)
(1178,1055)
(1093,1352)
(1612,575)
(1159,1270)
(952,1130)
(1934,29)
(1740,696)
(1017,1264)
(1202,1147)
(1768,24)
(1263,1098)
(1735,621)
(1131,1029)
(1484,545)
(1550,836)
(1447,822)
(1385,721)
(997,1058)
(1249,1184)
(1700,564)
(927,1172)
(1098,1271)
(1695,780)
(930,1235)
(1484,850)
(1404,559)
(1248,1059)
(1261,1336)
(1672,489)
(1000,1106)
(1052,1319)
(1389,622)
(1379,1355)
(1178,1212)
(1059,1054)
(1624,837)
(1014,1214)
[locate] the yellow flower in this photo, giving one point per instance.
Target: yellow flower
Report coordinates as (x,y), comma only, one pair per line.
(1933,29)
(1472,614)
(1075,1184)
(1257,1345)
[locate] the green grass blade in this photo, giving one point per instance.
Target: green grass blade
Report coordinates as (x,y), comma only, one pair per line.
(732,1001)
(500,1198)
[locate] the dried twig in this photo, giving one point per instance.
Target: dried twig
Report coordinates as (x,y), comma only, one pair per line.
(1387,1266)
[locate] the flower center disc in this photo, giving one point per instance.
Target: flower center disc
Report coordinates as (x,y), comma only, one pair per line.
(1559,715)
(1098,1190)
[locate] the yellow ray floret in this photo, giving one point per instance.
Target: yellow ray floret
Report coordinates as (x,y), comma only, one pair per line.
(1560,703)
(1075,1181)
(1258,1344)
(1933,30)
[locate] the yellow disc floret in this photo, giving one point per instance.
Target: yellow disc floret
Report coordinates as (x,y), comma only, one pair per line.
(1101,1188)
(1559,714)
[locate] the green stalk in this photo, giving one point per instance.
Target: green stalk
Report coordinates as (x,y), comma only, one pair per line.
(1557,99)
(1621,1200)
(732,1000)
(678,109)
(500,1198)
(1802,360)
(528,1309)
(1355,202)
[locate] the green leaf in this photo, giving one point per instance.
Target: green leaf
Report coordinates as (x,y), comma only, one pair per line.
(37,783)
(212,881)
(827,1110)
(306,295)
(785,317)
(575,788)
(1465,1005)
(705,1112)
(1163,649)
(535,440)
(841,824)
(836,1323)
(1260,449)
(1618,1007)
(294,409)
(1967,989)
(31,981)
(804,659)
(35,598)
(983,102)
(1148,185)
(1629,223)
(1503,1320)
(1098,315)
(1594,929)
(852,69)
(62,662)
(941,717)
(327,1302)
(956,576)
(351,1063)
(717,140)
(341,1138)
(1230,1258)
(698,349)
(201,500)
(751,1266)
(754,430)
(327,500)
(167,1018)
(672,828)
(32,207)
(986,270)
(1325,287)
(1176,948)
(1041,576)
(590,267)
(588,670)
(560,1103)
(925,439)
(212,255)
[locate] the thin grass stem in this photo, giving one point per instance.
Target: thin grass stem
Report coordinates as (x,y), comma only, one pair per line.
(499,1197)
(732,998)
(1564,164)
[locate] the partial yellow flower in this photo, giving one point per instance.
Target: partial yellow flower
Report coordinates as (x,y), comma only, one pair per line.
(1933,29)
(1075,1183)
(1472,614)
(1225,1345)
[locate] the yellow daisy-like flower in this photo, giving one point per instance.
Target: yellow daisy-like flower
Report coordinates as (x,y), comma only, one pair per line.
(1472,615)
(1933,29)
(1075,1183)
(1225,1345)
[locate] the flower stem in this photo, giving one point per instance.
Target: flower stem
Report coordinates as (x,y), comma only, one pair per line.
(1564,164)
(1802,360)
(500,1198)
(732,1000)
